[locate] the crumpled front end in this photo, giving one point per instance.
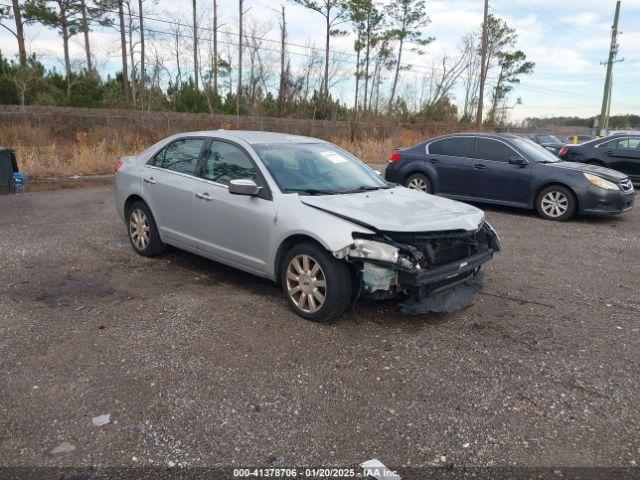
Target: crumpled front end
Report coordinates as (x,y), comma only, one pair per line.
(436,271)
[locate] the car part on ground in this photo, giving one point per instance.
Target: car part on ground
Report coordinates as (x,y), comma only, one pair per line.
(306,214)
(619,152)
(510,170)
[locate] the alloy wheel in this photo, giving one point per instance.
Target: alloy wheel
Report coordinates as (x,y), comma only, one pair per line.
(139,229)
(306,283)
(554,204)
(417,183)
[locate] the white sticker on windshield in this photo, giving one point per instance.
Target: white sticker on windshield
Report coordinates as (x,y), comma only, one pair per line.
(333,156)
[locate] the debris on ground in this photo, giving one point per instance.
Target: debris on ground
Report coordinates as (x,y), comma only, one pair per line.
(101,420)
(64,447)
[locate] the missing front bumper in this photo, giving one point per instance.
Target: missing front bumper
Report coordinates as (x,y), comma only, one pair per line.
(451,298)
(444,289)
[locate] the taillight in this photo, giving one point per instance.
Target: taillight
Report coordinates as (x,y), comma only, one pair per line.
(395,157)
(563,151)
(119,163)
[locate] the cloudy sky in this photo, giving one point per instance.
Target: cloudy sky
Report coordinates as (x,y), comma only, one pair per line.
(567,39)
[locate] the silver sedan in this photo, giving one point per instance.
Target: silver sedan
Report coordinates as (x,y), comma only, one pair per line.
(306,214)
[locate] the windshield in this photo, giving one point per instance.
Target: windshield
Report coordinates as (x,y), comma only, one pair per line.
(548,139)
(316,168)
(534,152)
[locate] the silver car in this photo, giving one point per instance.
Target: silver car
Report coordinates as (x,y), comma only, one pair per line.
(306,214)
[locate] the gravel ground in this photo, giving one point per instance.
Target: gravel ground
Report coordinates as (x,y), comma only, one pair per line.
(202,365)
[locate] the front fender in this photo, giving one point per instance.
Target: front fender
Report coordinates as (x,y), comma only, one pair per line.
(332,232)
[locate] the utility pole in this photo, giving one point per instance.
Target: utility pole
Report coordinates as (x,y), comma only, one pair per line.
(483,65)
(613,52)
(239,93)
(283,74)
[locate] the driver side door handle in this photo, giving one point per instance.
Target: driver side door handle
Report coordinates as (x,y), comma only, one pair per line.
(149,180)
(480,166)
(204,196)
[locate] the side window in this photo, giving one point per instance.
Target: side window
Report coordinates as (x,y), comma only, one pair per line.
(629,144)
(180,156)
(227,162)
(453,147)
(609,144)
(488,149)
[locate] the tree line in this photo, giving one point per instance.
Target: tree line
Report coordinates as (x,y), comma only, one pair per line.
(194,62)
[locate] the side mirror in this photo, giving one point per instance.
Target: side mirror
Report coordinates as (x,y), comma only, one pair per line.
(518,161)
(243,187)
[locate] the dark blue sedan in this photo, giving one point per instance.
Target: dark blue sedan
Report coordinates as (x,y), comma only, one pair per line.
(510,170)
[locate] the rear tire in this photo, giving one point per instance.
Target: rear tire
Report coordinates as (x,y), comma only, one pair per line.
(316,285)
(420,182)
(556,203)
(143,231)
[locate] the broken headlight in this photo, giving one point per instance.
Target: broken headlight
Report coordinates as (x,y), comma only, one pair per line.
(369,249)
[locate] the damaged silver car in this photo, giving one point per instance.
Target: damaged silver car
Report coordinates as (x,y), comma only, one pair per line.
(306,214)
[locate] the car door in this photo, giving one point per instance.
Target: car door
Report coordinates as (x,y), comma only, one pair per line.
(451,159)
(493,177)
(624,155)
(232,228)
(168,187)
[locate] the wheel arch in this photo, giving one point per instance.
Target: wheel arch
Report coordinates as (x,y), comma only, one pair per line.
(131,199)
(553,183)
(422,171)
(287,244)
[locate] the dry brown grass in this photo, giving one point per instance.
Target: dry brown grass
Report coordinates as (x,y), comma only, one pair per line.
(58,146)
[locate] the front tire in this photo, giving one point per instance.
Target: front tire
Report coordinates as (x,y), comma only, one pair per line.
(143,231)
(420,182)
(556,203)
(317,286)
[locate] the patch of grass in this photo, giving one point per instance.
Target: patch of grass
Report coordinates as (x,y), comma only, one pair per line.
(57,145)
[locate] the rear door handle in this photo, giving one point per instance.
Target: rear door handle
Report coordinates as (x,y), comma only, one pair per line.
(608,152)
(150,180)
(204,196)
(480,166)
(434,160)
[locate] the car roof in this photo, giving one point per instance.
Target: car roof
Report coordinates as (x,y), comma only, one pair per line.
(498,136)
(252,137)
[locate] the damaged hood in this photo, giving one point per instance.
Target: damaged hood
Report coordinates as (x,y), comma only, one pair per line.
(399,209)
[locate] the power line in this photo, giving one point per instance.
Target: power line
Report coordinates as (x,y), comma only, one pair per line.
(558,20)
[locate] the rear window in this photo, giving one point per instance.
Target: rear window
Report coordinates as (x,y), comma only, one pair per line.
(453,147)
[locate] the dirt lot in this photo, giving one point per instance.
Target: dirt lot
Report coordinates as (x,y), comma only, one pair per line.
(202,365)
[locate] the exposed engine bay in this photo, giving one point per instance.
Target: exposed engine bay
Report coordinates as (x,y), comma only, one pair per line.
(437,271)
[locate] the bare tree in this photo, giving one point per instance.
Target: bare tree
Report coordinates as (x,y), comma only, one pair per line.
(409,17)
(63,17)
(471,76)
(445,73)
(143,71)
(334,14)
(131,16)
(214,59)
(85,32)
